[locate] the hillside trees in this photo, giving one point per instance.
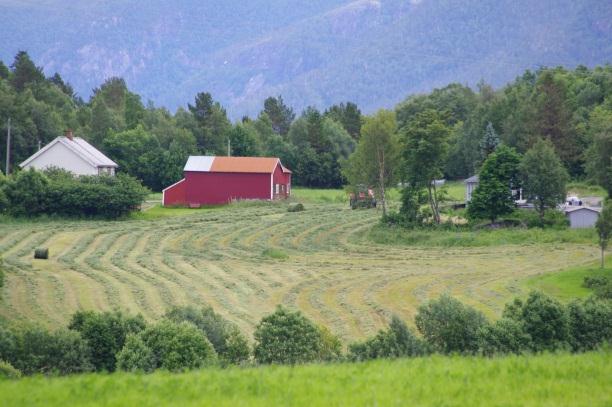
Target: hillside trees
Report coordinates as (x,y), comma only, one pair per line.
(543,177)
(599,154)
(604,228)
(348,115)
(498,177)
(281,116)
(424,148)
(377,155)
(212,124)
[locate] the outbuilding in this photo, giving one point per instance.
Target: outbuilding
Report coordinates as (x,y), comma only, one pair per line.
(470,185)
(582,216)
(211,180)
(72,154)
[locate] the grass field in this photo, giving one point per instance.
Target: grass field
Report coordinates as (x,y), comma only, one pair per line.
(246,258)
(545,380)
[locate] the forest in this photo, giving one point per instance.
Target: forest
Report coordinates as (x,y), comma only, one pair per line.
(569,108)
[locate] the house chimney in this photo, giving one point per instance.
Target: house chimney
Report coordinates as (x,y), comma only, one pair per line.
(69,134)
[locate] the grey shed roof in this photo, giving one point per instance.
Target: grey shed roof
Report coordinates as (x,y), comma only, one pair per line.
(472,180)
(569,209)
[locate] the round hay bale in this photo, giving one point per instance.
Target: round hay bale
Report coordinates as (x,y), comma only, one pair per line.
(295,208)
(41,253)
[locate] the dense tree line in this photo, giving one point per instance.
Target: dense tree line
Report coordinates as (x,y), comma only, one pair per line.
(152,144)
(457,128)
(190,338)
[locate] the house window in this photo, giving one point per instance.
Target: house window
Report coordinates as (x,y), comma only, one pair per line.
(277,188)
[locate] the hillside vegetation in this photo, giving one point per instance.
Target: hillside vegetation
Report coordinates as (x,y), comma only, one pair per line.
(314,53)
(246,258)
(551,380)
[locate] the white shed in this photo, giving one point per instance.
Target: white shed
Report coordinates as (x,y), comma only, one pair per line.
(582,216)
(470,185)
(72,154)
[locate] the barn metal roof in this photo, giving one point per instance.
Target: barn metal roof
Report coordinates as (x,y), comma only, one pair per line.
(569,209)
(232,164)
(80,147)
(472,180)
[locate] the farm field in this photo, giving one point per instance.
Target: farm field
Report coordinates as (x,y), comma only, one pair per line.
(544,380)
(246,258)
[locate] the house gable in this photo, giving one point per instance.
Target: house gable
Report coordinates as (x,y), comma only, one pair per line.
(58,155)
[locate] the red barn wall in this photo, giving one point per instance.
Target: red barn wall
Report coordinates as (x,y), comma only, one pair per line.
(213,188)
(175,194)
(284,180)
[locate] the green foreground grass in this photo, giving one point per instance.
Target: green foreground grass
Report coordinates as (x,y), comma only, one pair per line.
(543,380)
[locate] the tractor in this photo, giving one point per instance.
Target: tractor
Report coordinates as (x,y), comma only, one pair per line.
(362,197)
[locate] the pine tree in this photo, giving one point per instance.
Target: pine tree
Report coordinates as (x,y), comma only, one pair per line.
(25,72)
(489,142)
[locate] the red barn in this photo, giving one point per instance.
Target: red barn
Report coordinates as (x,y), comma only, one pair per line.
(219,180)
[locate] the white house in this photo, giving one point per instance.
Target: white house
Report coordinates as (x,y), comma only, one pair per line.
(72,154)
(582,216)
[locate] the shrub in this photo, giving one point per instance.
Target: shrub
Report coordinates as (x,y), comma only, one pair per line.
(27,193)
(397,341)
(105,334)
(331,346)
(7,371)
(8,344)
(590,323)
(544,319)
(286,337)
(504,336)
(31,193)
(552,219)
(231,346)
(601,286)
(135,356)
(177,346)
(40,351)
(449,326)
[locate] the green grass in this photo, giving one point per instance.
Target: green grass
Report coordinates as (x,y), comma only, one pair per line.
(308,195)
(543,380)
(276,254)
(567,284)
(160,212)
(583,189)
(478,238)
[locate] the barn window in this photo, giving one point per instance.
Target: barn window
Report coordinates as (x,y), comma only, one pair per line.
(277,188)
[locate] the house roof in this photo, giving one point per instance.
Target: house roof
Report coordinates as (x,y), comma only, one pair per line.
(80,147)
(571,209)
(472,180)
(233,164)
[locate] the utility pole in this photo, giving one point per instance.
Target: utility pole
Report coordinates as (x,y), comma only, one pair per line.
(229,148)
(8,146)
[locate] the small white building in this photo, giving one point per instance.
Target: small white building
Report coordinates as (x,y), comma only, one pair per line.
(470,185)
(72,154)
(582,216)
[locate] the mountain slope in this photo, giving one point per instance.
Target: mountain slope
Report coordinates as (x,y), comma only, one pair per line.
(373,52)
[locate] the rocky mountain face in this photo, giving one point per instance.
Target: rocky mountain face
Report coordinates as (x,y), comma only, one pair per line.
(319,52)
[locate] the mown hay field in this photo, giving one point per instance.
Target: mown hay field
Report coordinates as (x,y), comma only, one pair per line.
(541,380)
(246,258)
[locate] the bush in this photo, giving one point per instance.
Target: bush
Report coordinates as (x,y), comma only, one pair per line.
(552,219)
(295,208)
(449,326)
(504,336)
(27,193)
(7,371)
(331,346)
(231,346)
(105,334)
(397,341)
(32,193)
(544,319)
(174,347)
(287,337)
(40,351)
(601,286)
(135,356)
(590,323)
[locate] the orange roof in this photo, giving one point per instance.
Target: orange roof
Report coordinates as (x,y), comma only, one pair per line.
(244,164)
